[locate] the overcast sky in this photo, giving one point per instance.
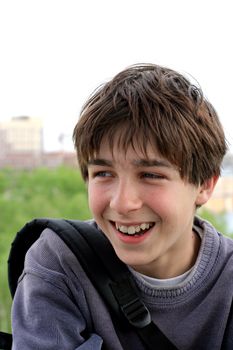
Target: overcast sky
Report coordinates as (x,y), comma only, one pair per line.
(53,53)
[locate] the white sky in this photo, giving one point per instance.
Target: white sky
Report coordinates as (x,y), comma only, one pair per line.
(53,53)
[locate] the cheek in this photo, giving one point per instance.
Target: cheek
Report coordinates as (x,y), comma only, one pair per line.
(159,200)
(96,199)
(165,204)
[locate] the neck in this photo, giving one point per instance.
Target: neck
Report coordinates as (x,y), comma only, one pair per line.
(173,265)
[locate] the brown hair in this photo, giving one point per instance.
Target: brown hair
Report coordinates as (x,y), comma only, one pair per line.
(150,103)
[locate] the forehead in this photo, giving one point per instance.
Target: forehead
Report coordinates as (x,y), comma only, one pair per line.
(136,155)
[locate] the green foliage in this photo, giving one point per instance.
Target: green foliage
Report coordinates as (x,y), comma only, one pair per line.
(25,195)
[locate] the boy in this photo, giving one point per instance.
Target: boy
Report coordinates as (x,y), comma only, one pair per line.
(149,147)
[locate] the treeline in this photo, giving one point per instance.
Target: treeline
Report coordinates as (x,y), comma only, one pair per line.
(25,195)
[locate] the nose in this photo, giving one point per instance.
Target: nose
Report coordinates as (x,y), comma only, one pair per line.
(125,197)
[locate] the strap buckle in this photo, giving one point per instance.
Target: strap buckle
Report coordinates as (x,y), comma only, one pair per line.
(136,313)
(132,307)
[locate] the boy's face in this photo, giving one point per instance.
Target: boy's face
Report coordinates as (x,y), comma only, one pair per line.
(145,209)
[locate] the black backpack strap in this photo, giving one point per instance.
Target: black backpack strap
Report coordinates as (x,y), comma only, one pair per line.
(113,281)
(5,341)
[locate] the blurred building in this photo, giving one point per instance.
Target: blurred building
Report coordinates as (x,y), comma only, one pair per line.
(222,197)
(221,201)
(22,134)
(21,141)
(21,146)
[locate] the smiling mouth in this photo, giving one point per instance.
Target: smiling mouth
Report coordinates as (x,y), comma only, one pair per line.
(133,230)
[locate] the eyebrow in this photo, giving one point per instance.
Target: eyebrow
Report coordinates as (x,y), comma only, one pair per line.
(152,162)
(137,162)
(100,161)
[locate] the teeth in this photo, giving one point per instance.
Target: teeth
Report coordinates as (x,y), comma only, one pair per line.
(123,229)
(131,230)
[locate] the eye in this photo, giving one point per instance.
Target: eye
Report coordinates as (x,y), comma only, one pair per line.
(152,176)
(102,174)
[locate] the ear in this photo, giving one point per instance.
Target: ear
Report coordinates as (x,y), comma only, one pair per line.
(206,190)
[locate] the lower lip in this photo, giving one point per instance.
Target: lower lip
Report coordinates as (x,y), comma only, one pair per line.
(133,239)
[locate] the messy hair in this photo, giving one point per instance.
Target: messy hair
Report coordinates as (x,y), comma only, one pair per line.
(150,103)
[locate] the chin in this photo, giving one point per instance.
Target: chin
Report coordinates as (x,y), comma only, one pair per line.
(133,260)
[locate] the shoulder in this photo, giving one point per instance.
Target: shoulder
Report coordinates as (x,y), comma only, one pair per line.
(49,255)
(48,249)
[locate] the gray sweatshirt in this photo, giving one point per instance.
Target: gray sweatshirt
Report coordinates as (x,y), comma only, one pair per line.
(57,307)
